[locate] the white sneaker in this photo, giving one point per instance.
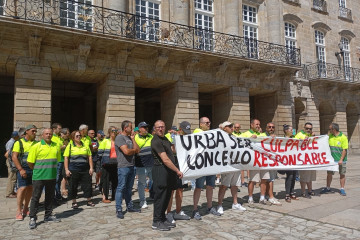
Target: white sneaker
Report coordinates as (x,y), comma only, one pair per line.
(238,207)
(144,205)
(217,181)
(181,216)
(274,201)
(220,210)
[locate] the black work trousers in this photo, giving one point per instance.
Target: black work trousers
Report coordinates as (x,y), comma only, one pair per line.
(109,174)
(164,181)
(290,182)
(38,186)
(84,179)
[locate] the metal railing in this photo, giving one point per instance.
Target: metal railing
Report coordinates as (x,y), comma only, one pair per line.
(333,72)
(320,5)
(345,13)
(90,18)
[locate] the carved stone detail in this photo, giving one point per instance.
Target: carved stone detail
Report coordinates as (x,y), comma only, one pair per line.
(221,70)
(191,65)
(121,60)
(34,48)
(161,60)
(83,53)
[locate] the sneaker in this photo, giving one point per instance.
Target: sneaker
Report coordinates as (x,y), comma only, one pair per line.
(169,224)
(274,201)
(144,206)
(220,210)
(19,217)
(132,209)
(251,202)
(264,202)
(342,192)
(238,207)
(32,223)
(297,179)
(119,214)
(170,217)
(325,190)
(160,226)
(52,218)
(181,216)
(196,215)
(244,185)
(217,181)
(213,211)
(304,195)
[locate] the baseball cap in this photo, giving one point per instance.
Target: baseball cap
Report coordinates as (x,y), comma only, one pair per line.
(101,132)
(174,128)
(226,123)
(21,131)
(14,134)
(136,129)
(186,127)
(30,126)
(143,124)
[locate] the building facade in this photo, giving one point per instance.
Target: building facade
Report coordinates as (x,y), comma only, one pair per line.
(101,62)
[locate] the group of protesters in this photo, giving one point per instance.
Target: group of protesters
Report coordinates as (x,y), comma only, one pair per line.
(62,161)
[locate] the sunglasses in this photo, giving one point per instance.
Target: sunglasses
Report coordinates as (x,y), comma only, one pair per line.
(308,128)
(77,136)
(207,123)
(34,131)
(160,127)
(271,127)
(114,130)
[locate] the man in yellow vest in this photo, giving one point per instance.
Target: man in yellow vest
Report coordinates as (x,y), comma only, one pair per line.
(338,146)
(24,175)
(210,180)
(306,176)
(43,159)
(261,176)
(144,161)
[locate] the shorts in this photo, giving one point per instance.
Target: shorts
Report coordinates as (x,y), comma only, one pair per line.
(231,179)
(257,175)
(307,175)
(24,182)
(210,181)
(179,184)
(342,170)
(272,175)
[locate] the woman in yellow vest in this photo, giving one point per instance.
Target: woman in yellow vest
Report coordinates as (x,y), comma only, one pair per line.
(78,168)
(107,157)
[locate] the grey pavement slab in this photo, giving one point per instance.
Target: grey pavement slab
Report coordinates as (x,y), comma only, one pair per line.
(328,216)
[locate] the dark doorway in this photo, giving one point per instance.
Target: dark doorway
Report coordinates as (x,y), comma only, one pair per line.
(73,104)
(206,107)
(263,107)
(6,117)
(147,105)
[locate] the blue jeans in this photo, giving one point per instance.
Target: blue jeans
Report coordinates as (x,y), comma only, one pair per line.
(126,178)
(142,173)
(59,178)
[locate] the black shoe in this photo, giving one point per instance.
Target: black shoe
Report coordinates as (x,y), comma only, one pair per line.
(169,224)
(160,226)
(32,223)
(52,218)
(120,215)
(132,209)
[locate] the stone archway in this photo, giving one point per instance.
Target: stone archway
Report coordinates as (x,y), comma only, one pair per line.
(353,129)
(327,115)
(300,114)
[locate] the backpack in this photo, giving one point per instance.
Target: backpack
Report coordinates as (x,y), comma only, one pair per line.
(11,162)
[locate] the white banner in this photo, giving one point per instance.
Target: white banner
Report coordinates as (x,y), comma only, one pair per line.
(215,152)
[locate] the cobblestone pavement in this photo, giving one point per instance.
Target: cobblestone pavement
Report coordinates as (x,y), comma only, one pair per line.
(329,216)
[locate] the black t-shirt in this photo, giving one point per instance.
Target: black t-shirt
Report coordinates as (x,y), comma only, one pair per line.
(159,145)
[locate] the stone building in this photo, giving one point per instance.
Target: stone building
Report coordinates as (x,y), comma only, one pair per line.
(101,62)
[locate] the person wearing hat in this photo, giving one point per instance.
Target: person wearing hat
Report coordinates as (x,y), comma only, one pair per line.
(232,179)
(24,175)
(171,134)
(178,214)
(11,174)
(144,160)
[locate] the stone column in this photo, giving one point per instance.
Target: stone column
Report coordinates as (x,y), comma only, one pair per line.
(312,115)
(180,102)
(232,105)
(340,116)
(284,111)
(115,100)
(274,21)
(32,103)
(231,16)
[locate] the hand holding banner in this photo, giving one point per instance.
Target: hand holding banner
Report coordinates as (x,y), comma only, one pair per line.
(215,152)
